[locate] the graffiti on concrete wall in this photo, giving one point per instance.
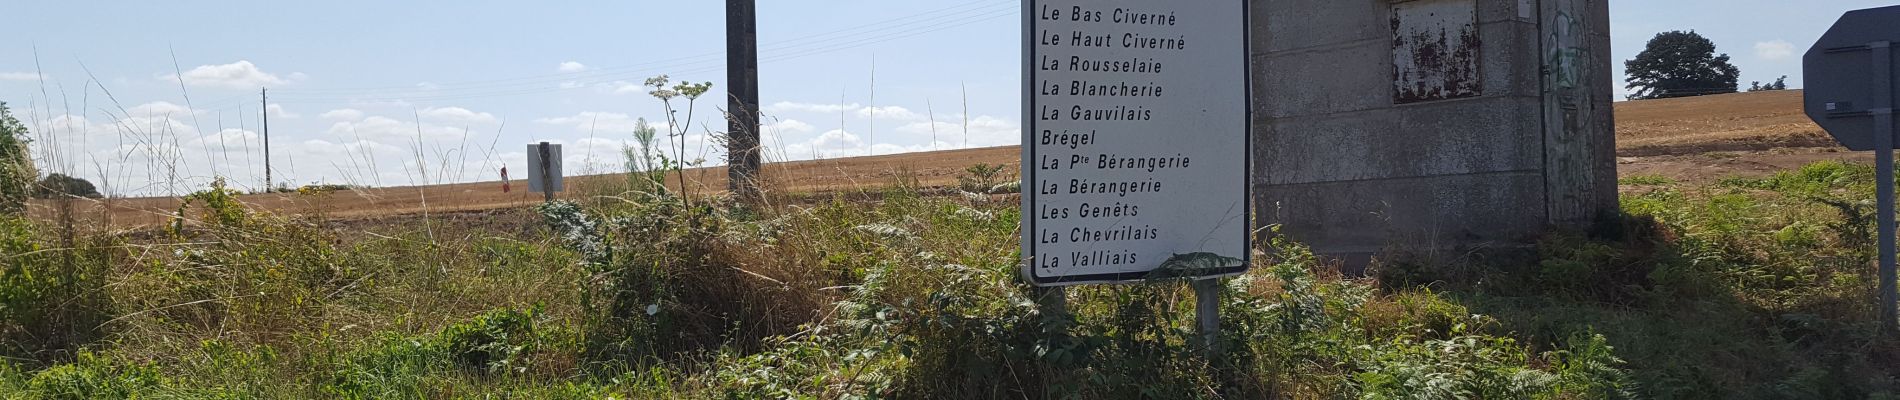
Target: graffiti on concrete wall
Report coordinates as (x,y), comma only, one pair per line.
(1574,118)
(1565,45)
(1435,50)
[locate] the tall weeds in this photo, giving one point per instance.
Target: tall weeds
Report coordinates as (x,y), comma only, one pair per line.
(644,294)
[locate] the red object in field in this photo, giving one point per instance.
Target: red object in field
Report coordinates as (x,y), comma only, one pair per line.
(504,179)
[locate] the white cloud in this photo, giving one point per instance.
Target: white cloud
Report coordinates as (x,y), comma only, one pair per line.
(787,106)
(387,129)
(156,151)
(624,87)
(229,140)
(21,76)
(595,122)
(358,148)
(67,134)
(358,162)
(458,115)
(890,113)
(278,111)
(159,109)
(397,104)
(238,75)
(571,66)
(349,114)
(788,126)
(68,124)
(1774,50)
(597,155)
(831,144)
(984,131)
(837,139)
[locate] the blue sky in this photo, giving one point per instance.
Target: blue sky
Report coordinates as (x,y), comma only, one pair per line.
(397,93)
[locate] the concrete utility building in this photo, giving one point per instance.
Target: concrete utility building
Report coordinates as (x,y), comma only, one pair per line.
(1431,126)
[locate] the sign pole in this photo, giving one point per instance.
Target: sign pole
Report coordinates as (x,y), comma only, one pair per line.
(547,174)
(1843,88)
(1883,168)
(1053,303)
(1207,315)
(1882,112)
(264,94)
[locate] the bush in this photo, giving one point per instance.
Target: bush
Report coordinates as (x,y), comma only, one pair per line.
(57,186)
(918,328)
(495,342)
(52,300)
(396,367)
(95,377)
(988,179)
(496,346)
(250,275)
(668,279)
(16,164)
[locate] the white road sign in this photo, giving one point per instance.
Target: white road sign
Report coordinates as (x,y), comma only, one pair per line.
(1136,148)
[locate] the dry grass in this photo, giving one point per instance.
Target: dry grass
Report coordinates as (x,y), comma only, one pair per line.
(933,169)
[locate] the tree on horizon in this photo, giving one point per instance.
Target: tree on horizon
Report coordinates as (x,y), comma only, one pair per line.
(57,185)
(1680,64)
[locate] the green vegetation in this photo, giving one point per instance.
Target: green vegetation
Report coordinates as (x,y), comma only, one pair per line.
(1680,64)
(1750,288)
(16,166)
(1645,180)
(1756,288)
(989,179)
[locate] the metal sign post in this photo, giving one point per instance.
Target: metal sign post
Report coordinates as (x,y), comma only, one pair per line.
(544,169)
(547,173)
(1883,168)
(1851,86)
(1207,315)
(1883,165)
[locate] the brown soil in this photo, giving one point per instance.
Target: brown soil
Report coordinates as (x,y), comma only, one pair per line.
(1731,122)
(1701,139)
(1693,139)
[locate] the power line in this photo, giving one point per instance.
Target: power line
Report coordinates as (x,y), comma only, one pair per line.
(781,54)
(861,32)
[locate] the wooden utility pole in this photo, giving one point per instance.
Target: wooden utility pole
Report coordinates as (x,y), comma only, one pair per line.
(265,94)
(742,71)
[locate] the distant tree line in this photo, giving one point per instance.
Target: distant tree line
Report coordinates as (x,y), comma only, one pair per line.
(1779,84)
